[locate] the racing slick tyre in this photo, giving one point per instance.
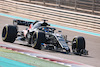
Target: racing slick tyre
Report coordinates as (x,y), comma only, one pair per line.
(9,33)
(78,44)
(37,39)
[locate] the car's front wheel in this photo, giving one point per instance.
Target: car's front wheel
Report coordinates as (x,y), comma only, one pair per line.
(78,44)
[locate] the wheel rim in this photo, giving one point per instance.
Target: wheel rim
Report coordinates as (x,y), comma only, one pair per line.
(4,33)
(74,45)
(34,40)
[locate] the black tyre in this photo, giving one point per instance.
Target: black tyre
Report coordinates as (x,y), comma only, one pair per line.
(9,33)
(78,44)
(37,39)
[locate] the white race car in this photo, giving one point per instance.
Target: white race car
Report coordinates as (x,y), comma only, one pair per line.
(40,35)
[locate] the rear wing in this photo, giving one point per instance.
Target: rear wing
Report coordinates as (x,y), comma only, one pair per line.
(22,22)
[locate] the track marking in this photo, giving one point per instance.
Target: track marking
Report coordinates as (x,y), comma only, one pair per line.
(4,62)
(58,26)
(49,58)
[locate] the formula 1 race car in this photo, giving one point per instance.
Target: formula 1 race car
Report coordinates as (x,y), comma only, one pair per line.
(40,35)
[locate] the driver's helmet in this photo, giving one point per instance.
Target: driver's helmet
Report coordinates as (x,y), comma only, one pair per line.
(46,29)
(45,24)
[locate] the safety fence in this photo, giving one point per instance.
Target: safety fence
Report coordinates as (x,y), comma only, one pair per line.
(86,6)
(56,16)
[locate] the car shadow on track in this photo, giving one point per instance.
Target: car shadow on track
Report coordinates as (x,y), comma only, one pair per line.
(71,53)
(53,51)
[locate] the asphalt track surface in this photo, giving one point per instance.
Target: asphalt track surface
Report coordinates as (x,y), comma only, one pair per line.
(92,45)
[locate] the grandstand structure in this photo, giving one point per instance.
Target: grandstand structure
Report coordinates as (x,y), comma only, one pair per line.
(85,6)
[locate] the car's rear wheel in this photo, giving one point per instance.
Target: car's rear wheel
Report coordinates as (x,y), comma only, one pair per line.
(9,33)
(37,39)
(78,44)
